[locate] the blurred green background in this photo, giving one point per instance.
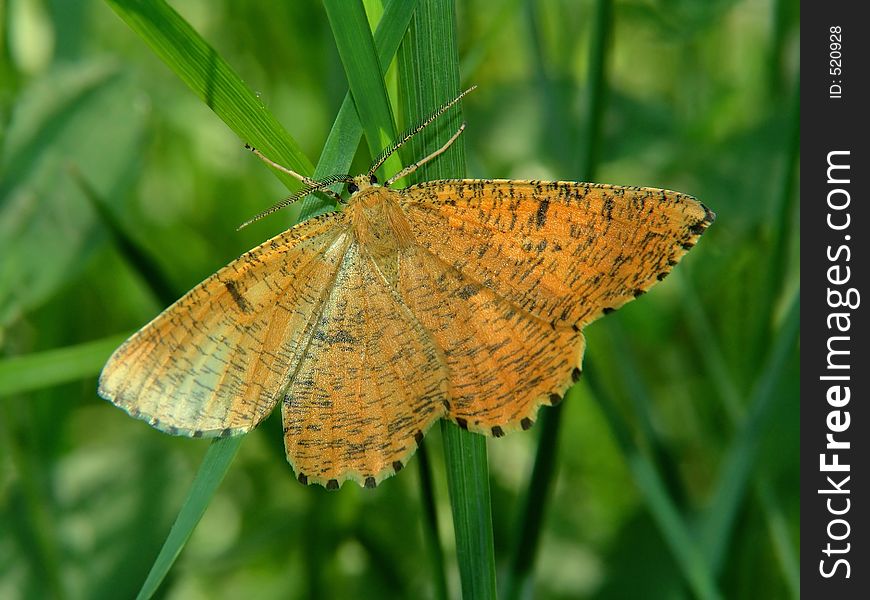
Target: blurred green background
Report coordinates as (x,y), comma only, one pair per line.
(678,451)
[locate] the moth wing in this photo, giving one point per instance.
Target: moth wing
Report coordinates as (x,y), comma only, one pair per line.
(564,252)
(503,362)
(505,274)
(217,361)
(370,384)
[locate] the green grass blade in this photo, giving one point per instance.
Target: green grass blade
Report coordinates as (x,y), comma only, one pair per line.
(211,472)
(709,348)
(722,380)
(356,47)
(430,524)
(670,523)
(197,64)
(346,132)
(786,198)
(642,404)
(534,503)
(783,210)
(601,34)
(468,482)
(672,526)
(40,370)
(429,76)
(737,466)
(782,544)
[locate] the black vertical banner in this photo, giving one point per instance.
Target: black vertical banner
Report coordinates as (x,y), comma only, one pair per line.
(835,220)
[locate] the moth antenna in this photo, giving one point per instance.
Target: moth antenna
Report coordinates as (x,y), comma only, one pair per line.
(411,168)
(317,186)
(306,180)
(388,151)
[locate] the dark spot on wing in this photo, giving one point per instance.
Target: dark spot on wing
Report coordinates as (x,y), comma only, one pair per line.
(339,337)
(467,291)
(541,215)
(709,215)
(698,228)
(237,297)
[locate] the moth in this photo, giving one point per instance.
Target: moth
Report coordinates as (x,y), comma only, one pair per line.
(458,299)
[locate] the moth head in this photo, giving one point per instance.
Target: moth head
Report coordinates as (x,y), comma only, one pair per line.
(361,183)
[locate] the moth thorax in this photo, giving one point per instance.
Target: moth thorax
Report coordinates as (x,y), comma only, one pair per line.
(380,225)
